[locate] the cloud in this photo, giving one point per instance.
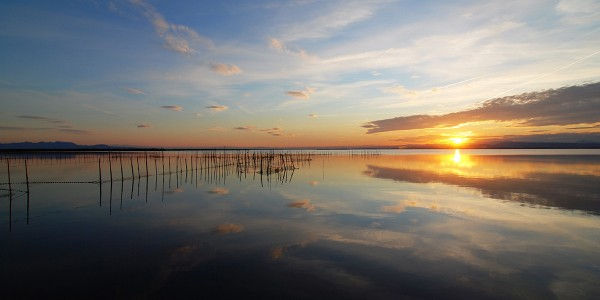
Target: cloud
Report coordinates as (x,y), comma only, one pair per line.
(219,191)
(275,131)
(578,11)
(134,91)
(228,228)
(303,94)
(249,128)
(75,131)
(585,127)
(225,69)
(312,116)
(144,126)
(401,90)
(280,46)
(217,107)
(45,119)
(178,38)
(304,203)
(335,17)
(23,128)
(172,107)
(564,106)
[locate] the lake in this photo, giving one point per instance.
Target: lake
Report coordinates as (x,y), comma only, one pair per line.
(377,224)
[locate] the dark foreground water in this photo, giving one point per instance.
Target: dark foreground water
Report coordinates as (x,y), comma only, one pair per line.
(404,224)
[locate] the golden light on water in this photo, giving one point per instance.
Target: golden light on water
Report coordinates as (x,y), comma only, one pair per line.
(456,157)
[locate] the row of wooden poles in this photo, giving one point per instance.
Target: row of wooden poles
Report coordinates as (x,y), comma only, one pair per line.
(215,166)
(10,192)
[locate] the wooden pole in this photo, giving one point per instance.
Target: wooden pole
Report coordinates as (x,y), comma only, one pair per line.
(27,182)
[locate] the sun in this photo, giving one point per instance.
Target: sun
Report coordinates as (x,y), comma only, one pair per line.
(457,141)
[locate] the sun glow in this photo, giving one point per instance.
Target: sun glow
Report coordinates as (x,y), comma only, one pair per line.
(457,141)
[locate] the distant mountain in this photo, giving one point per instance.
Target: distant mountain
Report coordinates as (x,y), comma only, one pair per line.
(52,146)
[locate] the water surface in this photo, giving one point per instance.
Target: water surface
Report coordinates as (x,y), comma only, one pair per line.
(385,224)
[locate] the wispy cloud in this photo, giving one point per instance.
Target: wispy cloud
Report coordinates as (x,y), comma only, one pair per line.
(569,105)
(282,47)
(41,118)
(134,91)
(247,128)
(313,116)
(302,94)
(401,90)
(330,20)
(23,128)
(225,69)
(217,107)
(173,107)
(275,131)
(144,126)
(75,131)
(179,38)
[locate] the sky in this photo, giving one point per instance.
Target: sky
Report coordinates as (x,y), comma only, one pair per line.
(299,73)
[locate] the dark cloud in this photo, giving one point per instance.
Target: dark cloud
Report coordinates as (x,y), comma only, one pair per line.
(23,128)
(172,107)
(564,106)
(217,107)
(75,131)
(41,118)
(144,126)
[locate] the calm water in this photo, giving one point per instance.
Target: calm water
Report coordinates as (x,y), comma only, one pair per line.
(400,224)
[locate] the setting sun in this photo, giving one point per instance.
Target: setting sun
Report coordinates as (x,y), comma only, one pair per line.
(457,141)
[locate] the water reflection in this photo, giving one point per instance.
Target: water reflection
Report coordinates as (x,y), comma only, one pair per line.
(448,225)
(545,181)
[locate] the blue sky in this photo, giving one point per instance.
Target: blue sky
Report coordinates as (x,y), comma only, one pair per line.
(277,73)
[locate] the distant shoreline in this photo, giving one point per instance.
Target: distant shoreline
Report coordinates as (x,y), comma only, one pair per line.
(277,149)
(60,146)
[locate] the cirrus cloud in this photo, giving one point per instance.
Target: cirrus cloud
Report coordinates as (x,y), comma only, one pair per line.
(179,38)
(134,91)
(173,107)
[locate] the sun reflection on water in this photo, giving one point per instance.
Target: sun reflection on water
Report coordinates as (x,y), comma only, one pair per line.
(456,157)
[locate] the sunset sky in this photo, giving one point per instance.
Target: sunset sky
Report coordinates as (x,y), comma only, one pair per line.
(299,73)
